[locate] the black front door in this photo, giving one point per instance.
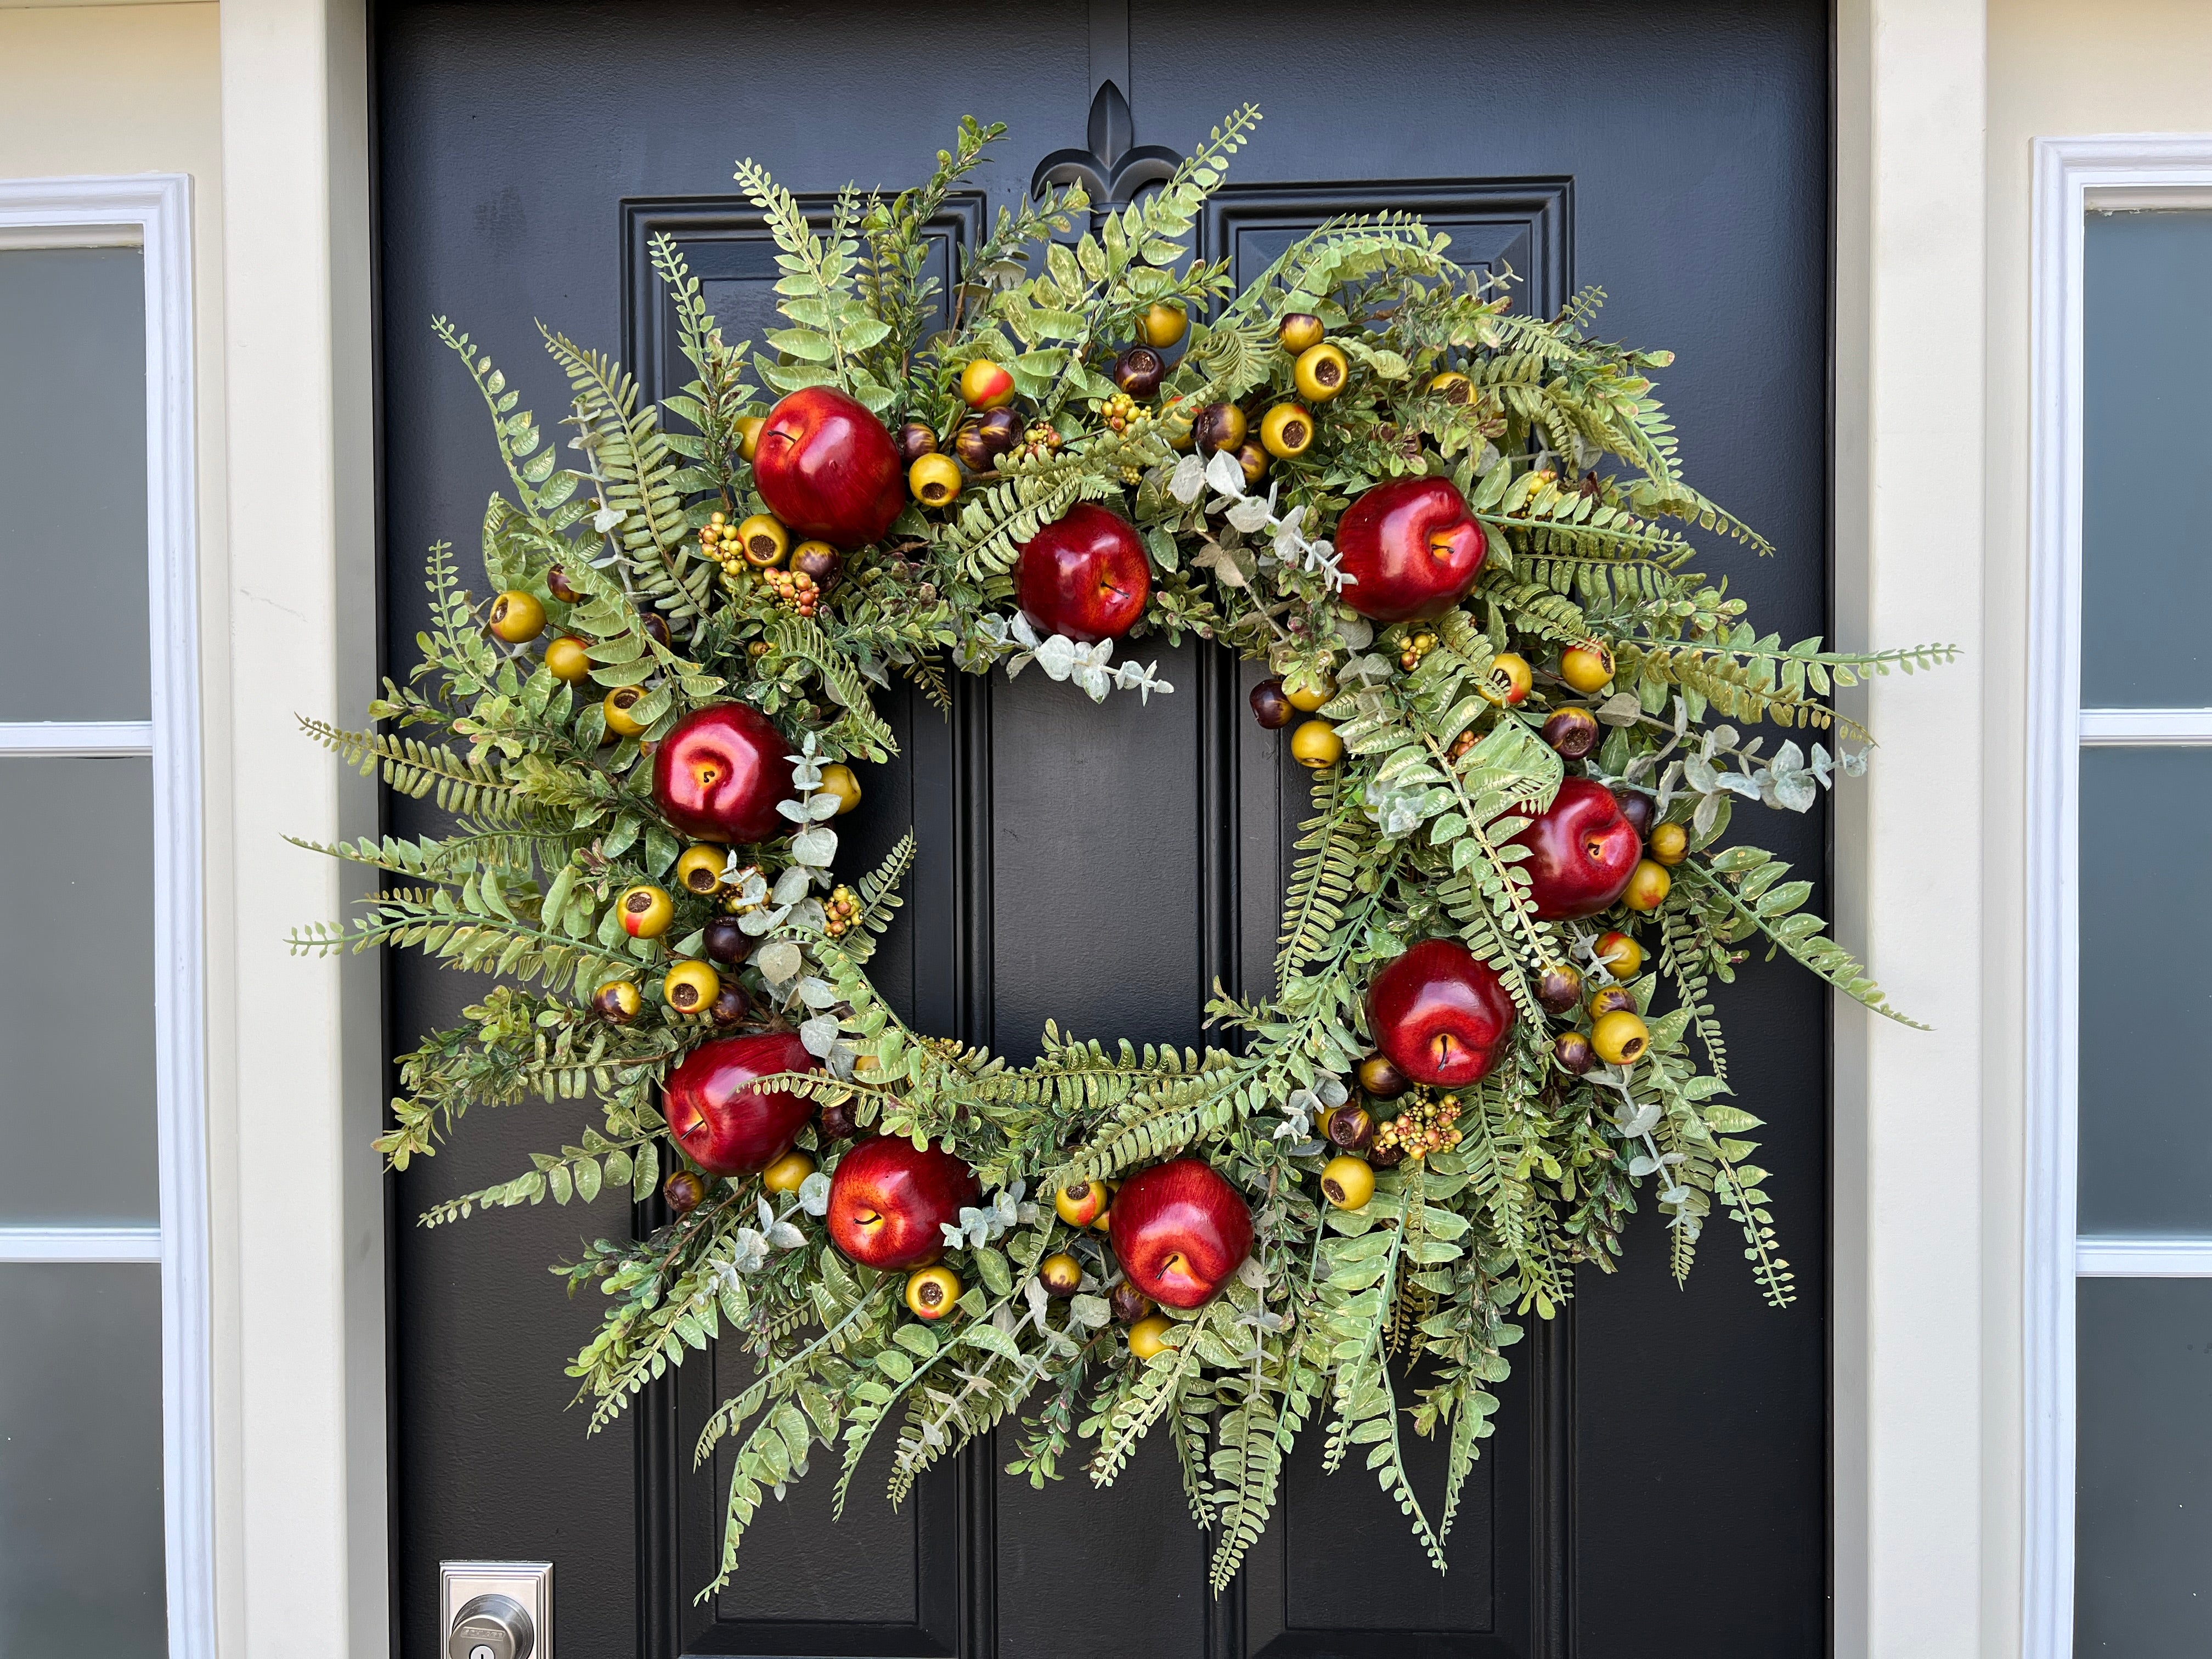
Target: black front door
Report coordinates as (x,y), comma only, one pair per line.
(1658,1484)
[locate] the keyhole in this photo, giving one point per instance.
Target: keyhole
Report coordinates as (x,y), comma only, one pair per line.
(482,1651)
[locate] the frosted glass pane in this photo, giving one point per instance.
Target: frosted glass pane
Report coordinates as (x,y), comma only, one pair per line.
(77,993)
(81,1568)
(73,476)
(2146,1161)
(2142,1573)
(2146,558)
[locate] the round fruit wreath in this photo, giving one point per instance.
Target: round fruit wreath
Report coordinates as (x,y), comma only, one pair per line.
(1443,525)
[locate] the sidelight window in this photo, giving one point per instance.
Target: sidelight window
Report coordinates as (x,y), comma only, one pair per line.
(2120,1236)
(103,1435)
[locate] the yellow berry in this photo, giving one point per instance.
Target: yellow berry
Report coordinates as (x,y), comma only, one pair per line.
(1149,1336)
(568,659)
(1299,331)
(1669,843)
(933,480)
(1316,745)
(1347,1182)
(984,384)
(700,869)
(748,431)
(1648,886)
(691,988)
(1305,698)
(647,910)
(1622,956)
(785,1174)
(517,616)
(1320,373)
(616,710)
(837,780)
(1587,667)
(1164,324)
(1287,429)
(1619,1037)
(1509,679)
(764,540)
(931,1292)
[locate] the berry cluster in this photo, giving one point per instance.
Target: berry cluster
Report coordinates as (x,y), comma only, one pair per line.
(1416,646)
(843,909)
(1120,412)
(1425,1125)
(794,590)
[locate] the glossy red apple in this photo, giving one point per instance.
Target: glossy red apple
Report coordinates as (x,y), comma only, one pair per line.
(1438,1015)
(827,467)
(1180,1229)
(1084,575)
(1582,851)
(720,772)
(726,1125)
(1413,548)
(888,1201)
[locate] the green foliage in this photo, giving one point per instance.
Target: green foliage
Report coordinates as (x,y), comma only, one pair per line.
(1571,464)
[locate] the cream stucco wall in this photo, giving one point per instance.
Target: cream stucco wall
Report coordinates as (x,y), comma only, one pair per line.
(2057,68)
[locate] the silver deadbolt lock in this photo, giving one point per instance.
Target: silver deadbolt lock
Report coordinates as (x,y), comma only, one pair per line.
(491,1627)
(495,1609)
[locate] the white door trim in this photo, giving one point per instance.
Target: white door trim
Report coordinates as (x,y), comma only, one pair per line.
(2117,172)
(154,211)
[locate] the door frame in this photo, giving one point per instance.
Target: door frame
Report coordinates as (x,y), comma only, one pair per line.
(303,1506)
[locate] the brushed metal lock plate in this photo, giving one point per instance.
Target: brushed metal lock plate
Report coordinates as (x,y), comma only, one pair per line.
(528,1584)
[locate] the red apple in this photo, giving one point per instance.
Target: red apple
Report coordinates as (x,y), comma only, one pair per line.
(1582,851)
(1084,575)
(888,1201)
(827,467)
(1438,1015)
(720,773)
(726,1126)
(1412,547)
(1179,1231)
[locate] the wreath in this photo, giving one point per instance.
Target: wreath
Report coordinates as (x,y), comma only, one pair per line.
(1457,536)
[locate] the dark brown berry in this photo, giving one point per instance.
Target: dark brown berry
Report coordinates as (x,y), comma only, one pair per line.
(1573,1051)
(1219,426)
(1349,1128)
(1611,999)
(980,442)
(686,1191)
(1385,1157)
(1270,707)
(725,941)
(1572,732)
(840,1121)
(1138,371)
(915,440)
(819,560)
(1558,988)
(558,585)
(731,1004)
(1130,1303)
(1640,809)
(1380,1078)
(657,625)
